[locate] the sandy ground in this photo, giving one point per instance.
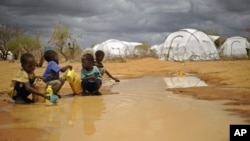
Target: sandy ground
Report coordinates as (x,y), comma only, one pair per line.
(228,80)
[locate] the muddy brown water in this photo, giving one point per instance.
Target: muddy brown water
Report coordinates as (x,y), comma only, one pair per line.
(142,111)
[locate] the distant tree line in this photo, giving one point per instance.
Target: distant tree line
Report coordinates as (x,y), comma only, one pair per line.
(14,40)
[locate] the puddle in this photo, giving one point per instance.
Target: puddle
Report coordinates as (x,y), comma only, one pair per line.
(142,111)
(184,82)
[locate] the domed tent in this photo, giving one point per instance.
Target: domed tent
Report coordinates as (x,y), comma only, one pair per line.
(116,49)
(234,47)
(188,44)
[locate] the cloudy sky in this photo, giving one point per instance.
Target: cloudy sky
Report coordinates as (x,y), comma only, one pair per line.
(130,20)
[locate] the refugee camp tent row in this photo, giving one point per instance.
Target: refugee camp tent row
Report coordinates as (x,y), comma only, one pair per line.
(191,44)
(182,45)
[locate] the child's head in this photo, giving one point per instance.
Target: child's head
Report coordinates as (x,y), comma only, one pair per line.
(51,55)
(99,55)
(87,61)
(28,62)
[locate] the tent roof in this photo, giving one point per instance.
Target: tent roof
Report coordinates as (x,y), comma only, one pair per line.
(237,37)
(192,31)
(189,44)
(213,37)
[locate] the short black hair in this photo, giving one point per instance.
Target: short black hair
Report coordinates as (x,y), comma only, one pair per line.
(49,55)
(24,58)
(99,52)
(88,57)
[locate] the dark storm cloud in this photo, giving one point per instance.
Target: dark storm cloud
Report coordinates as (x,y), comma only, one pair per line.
(235,5)
(50,7)
(137,20)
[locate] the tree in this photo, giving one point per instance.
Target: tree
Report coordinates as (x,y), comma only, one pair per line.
(141,50)
(59,37)
(6,34)
(74,52)
(73,46)
(247,29)
(21,44)
(219,41)
(41,60)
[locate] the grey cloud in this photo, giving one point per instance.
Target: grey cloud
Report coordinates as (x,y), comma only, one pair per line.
(235,5)
(52,7)
(137,20)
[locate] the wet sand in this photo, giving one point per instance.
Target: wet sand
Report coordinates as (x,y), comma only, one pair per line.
(126,110)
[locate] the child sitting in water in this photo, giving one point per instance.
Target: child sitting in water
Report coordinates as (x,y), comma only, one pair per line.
(99,55)
(90,75)
(51,73)
(21,86)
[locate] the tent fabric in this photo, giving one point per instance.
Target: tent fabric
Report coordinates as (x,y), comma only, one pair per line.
(156,50)
(234,47)
(188,44)
(116,49)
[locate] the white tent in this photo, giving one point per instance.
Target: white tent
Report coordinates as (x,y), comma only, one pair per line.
(156,50)
(116,49)
(188,44)
(234,47)
(9,56)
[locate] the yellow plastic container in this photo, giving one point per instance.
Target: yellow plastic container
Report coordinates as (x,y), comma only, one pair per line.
(180,73)
(49,92)
(70,76)
(74,81)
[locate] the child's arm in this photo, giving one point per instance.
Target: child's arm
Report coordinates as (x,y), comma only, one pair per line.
(99,65)
(34,91)
(116,80)
(63,69)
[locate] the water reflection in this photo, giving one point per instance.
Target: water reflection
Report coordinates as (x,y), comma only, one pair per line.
(73,116)
(88,109)
(183,82)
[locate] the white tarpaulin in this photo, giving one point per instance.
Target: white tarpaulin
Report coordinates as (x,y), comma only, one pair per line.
(234,47)
(116,49)
(188,44)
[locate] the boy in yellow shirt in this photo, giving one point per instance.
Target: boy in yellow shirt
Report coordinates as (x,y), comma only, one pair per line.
(21,86)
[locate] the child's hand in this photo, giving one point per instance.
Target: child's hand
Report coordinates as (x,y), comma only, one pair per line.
(116,80)
(69,66)
(65,68)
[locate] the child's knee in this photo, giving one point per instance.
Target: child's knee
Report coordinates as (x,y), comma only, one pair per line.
(62,80)
(56,84)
